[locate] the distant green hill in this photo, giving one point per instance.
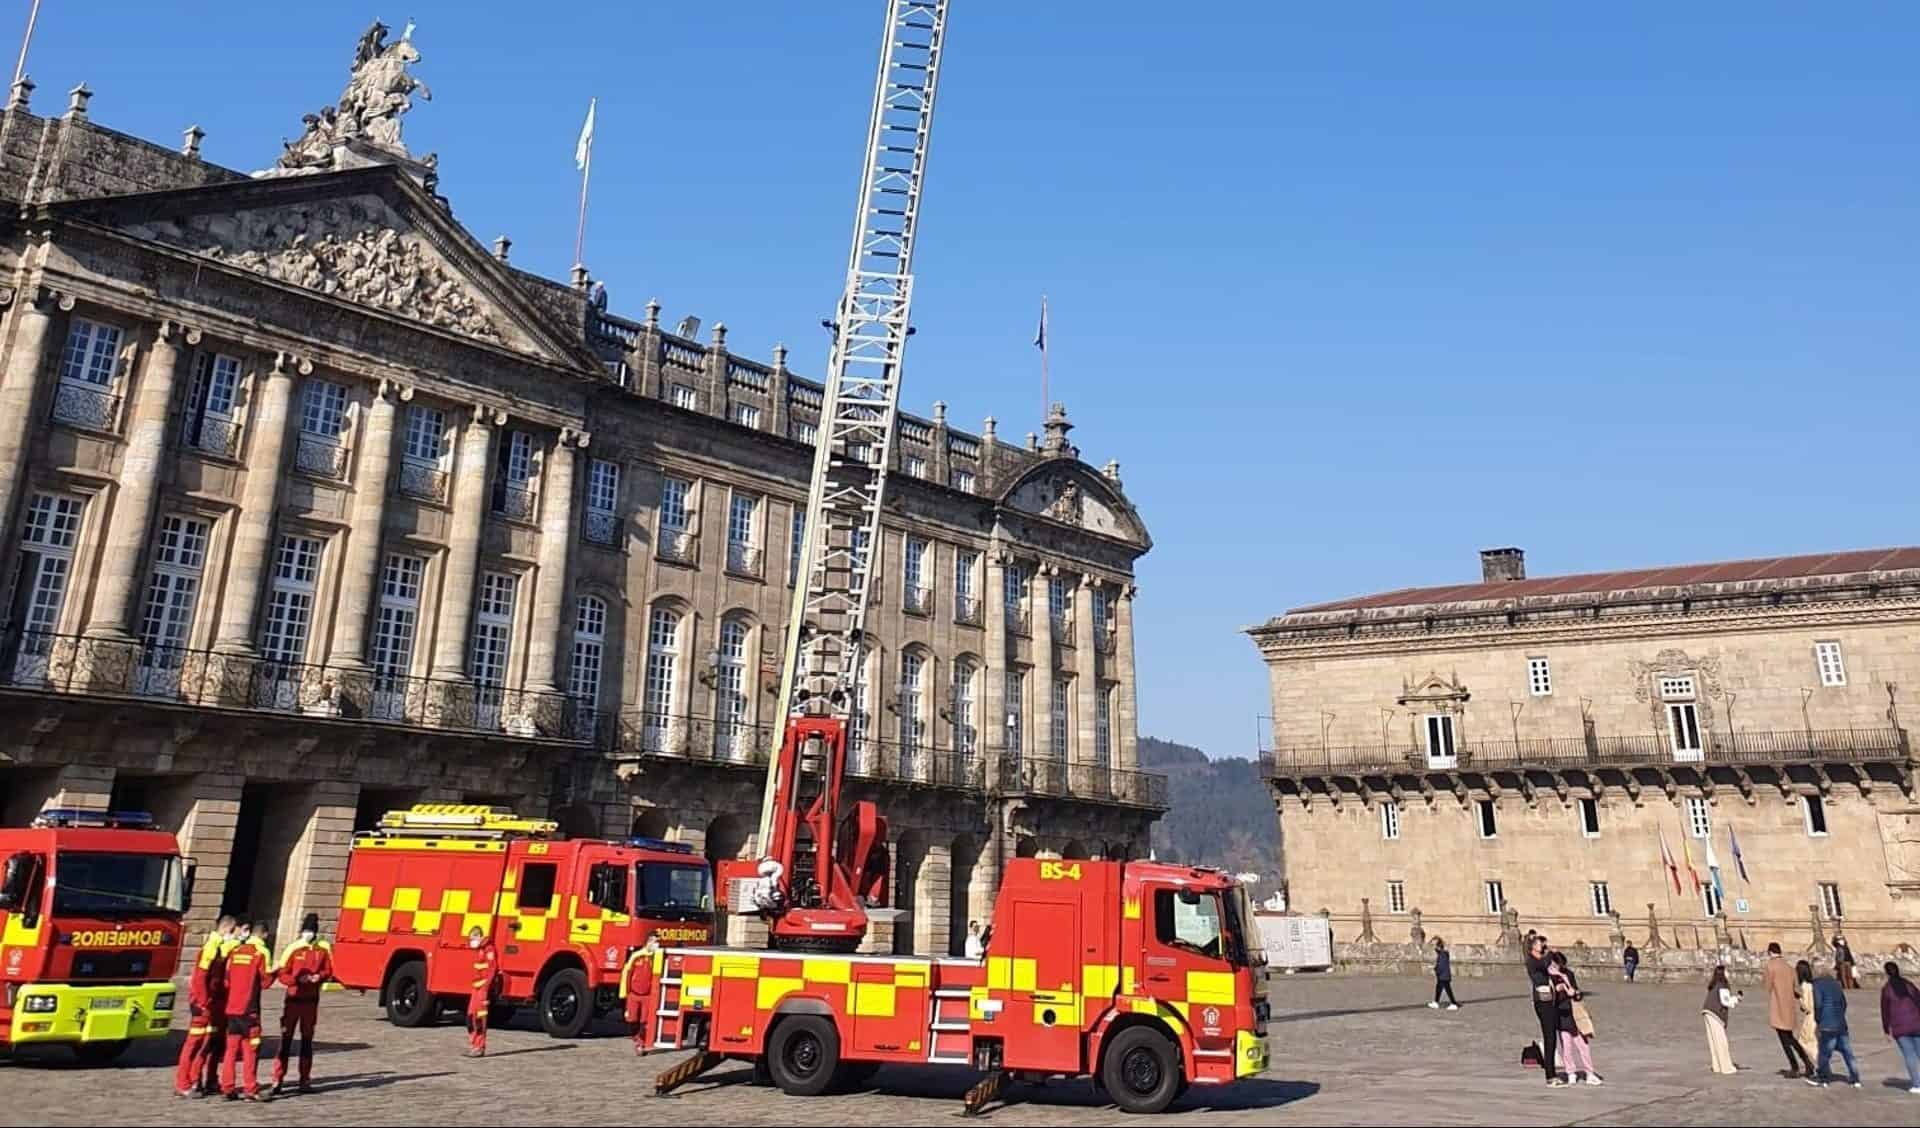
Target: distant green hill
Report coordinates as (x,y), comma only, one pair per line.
(1221,815)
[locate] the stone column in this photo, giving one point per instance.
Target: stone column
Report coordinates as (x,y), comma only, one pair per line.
(550,615)
(250,559)
(132,518)
(32,324)
(463,547)
(360,573)
(1126,722)
(1086,665)
(1040,616)
(317,869)
(992,586)
(203,812)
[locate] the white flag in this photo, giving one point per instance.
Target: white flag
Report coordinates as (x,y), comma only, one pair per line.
(583,151)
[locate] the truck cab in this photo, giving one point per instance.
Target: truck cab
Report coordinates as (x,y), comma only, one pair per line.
(90,931)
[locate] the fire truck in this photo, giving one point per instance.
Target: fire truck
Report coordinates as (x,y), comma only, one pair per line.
(565,913)
(1146,976)
(90,931)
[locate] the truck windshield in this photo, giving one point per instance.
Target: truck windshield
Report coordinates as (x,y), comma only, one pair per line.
(118,883)
(676,889)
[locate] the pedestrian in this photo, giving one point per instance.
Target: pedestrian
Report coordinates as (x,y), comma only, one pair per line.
(1843,962)
(1443,975)
(1783,1010)
(1805,1032)
(486,969)
(1631,960)
(1720,1000)
(1575,1055)
(249,967)
(1900,1019)
(1545,1007)
(203,990)
(975,947)
(305,967)
(1830,1019)
(637,986)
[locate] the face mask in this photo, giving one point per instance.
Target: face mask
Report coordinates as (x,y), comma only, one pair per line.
(473,941)
(307,936)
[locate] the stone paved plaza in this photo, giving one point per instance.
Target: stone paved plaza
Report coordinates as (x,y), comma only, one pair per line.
(1345,1051)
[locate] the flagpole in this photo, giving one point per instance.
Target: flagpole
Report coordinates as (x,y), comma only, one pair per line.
(20,67)
(1046,403)
(586,176)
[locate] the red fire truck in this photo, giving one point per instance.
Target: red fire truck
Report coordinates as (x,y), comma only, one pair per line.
(565,913)
(90,931)
(1146,976)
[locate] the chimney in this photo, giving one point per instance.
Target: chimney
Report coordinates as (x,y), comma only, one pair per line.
(1501,565)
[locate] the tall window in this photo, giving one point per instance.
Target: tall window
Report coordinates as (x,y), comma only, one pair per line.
(1103,727)
(919,589)
(657,692)
(283,635)
(1496,898)
(89,375)
(513,483)
(966,726)
(323,419)
(1710,900)
(913,725)
(676,519)
(1396,896)
(1015,595)
(806,432)
(392,658)
(1016,719)
(429,449)
(1833,671)
(589,643)
(963,481)
(1600,898)
(747,415)
(603,502)
(173,590)
(1539,677)
(1440,747)
(209,423)
(1816,812)
(684,396)
(913,466)
(1058,714)
(1102,612)
(492,636)
(860,719)
(730,692)
(1699,817)
(1389,821)
(966,569)
(1060,605)
(40,591)
(1489,823)
(743,550)
(1830,900)
(794,545)
(1683,718)
(1590,818)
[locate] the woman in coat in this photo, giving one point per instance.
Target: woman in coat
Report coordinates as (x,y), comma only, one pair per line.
(1804,1031)
(1575,1055)
(1720,1000)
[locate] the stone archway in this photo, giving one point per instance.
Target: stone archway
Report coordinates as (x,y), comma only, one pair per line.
(909,872)
(649,822)
(964,857)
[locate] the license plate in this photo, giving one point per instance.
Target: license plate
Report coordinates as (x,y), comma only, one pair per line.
(107,1004)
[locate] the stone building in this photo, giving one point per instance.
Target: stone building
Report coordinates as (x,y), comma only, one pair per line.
(315,507)
(1446,757)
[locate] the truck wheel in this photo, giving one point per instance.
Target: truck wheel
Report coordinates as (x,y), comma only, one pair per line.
(1141,1071)
(803,1055)
(565,1005)
(100,1053)
(409,1004)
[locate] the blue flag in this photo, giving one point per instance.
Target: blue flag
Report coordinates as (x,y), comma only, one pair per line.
(1040,338)
(1738,862)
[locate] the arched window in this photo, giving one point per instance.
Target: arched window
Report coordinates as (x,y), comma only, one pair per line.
(589,642)
(913,702)
(733,734)
(663,662)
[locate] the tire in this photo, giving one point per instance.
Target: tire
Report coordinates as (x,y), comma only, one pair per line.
(100,1053)
(1141,1070)
(566,1006)
(804,1055)
(409,1003)
(852,1076)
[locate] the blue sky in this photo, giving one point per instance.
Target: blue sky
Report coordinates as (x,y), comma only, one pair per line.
(1350,291)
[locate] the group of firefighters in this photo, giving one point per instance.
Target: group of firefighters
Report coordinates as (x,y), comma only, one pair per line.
(222,1050)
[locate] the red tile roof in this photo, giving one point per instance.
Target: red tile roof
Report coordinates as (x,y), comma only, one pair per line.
(1600,583)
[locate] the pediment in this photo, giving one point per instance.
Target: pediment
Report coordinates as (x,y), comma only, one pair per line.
(1071,495)
(358,240)
(1433,690)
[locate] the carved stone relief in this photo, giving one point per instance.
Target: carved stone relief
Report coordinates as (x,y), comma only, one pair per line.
(1675,662)
(372,267)
(1060,497)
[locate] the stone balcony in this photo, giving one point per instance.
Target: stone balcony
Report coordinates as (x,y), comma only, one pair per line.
(1038,777)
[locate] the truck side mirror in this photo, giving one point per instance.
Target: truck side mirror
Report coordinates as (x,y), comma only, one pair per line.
(13,885)
(186,886)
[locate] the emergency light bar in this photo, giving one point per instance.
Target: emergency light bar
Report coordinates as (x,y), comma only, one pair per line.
(74,816)
(464,818)
(661,844)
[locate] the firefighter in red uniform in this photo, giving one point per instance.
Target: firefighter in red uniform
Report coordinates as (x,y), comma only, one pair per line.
(305,966)
(249,968)
(203,991)
(637,985)
(486,969)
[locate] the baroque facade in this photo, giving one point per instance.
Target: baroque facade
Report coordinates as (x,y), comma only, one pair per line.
(316,508)
(1468,760)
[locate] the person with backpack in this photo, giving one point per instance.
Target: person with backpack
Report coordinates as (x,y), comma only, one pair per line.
(1442,976)
(1720,1001)
(1900,1019)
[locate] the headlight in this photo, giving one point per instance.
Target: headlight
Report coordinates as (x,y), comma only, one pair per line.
(163,1001)
(41,1004)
